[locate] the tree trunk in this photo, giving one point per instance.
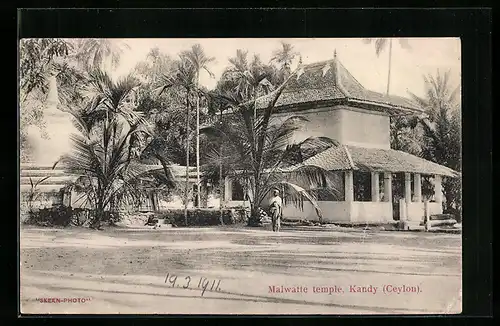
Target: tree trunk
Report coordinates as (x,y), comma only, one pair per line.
(221,188)
(254,219)
(186,195)
(99,214)
(390,63)
(221,180)
(197,141)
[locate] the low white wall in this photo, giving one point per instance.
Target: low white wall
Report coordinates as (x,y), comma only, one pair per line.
(371,211)
(332,211)
(435,208)
(416,211)
(339,211)
(236,203)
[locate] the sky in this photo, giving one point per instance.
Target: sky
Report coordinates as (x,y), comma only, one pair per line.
(408,66)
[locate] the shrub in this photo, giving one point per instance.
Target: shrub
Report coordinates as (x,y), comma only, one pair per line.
(202,216)
(64,216)
(53,216)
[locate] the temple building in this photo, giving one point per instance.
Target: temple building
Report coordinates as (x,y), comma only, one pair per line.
(337,106)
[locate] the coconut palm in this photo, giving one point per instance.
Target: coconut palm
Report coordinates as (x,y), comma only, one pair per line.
(182,77)
(107,150)
(380,45)
(257,152)
(284,57)
(98,53)
(442,118)
(249,79)
(155,66)
(199,61)
(442,127)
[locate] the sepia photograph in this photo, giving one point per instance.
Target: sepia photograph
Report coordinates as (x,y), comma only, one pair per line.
(291,176)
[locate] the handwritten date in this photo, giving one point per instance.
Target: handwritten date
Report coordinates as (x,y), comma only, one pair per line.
(204,284)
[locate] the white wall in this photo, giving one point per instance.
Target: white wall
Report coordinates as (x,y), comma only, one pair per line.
(332,211)
(237,203)
(348,125)
(325,122)
(365,129)
(417,210)
(371,211)
(339,211)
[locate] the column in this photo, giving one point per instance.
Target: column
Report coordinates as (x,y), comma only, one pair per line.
(407,195)
(227,189)
(438,193)
(417,187)
(388,186)
(375,187)
(349,186)
(407,187)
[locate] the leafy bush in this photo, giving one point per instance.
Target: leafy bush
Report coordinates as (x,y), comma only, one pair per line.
(64,216)
(202,216)
(53,216)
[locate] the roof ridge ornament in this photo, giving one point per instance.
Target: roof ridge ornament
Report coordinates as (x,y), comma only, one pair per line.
(300,69)
(336,68)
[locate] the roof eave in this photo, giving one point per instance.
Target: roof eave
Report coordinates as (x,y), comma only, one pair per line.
(388,108)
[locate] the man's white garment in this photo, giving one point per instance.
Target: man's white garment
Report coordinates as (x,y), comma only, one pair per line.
(275,200)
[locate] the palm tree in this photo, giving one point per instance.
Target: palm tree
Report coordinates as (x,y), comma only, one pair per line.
(98,53)
(380,45)
(442,108)
(199,61)
(250,79)
(442,127)
(107,149)
(258,150)
(184,76)
(284,57)
(155,66)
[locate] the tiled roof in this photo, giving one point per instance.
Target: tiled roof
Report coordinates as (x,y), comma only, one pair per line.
(330,80)
(376,159)
(333,159)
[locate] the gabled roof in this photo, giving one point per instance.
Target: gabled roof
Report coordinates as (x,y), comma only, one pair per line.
(329,82)
(346,157)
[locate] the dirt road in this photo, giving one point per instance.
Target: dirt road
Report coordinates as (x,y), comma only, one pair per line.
(239,271)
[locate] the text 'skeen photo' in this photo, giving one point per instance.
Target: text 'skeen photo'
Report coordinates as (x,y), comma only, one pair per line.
(240,176)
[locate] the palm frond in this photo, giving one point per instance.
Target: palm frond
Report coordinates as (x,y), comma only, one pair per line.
(297,195)
(380,45)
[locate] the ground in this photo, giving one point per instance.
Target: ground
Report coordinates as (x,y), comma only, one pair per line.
(124,271)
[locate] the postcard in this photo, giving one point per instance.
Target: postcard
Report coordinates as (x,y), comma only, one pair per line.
(240,176)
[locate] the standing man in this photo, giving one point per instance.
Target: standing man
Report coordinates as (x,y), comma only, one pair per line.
(275,206)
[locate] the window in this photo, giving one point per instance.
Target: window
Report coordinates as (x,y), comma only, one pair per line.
(237,192)
(362,186)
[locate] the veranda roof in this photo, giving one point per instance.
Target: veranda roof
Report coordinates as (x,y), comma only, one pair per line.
(329,82)
(346,157)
